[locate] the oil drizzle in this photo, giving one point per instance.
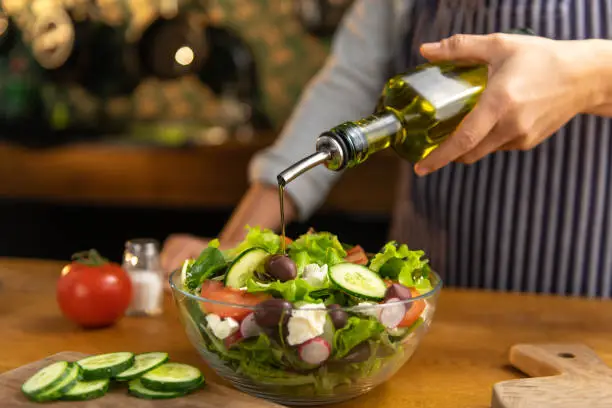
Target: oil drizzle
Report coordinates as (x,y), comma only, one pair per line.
(281,198)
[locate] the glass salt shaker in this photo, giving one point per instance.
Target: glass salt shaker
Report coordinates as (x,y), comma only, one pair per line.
(141,261)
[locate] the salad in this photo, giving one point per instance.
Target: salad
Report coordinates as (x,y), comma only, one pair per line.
(322,314)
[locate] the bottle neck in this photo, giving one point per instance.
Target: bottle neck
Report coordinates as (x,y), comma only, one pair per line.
(351,143)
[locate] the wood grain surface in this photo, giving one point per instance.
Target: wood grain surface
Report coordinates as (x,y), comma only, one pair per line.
(570,376)
(209,396)
(456,365)
(210,176)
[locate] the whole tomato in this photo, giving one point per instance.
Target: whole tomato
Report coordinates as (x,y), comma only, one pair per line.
(92,291)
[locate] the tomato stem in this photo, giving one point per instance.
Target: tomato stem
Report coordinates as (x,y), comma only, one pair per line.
(91,258)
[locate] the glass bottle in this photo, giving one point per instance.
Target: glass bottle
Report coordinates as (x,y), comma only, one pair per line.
(416,112)
(141,261)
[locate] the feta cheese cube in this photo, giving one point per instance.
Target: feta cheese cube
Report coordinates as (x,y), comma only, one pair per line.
(222,329)
(306,324)
(315,275)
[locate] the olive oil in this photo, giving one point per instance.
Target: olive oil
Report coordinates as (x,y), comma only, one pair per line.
(281,198)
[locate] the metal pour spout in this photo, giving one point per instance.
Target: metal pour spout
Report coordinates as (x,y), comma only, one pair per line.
(302,166)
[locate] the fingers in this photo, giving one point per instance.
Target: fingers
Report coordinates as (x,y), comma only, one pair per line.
(462,47)
(496,140)
(177,248)
(472,131)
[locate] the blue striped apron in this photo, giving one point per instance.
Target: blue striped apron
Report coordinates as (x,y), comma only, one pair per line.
(535,221)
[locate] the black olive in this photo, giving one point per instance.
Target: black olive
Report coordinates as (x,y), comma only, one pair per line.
(281,267)
(338,316)
(270,312)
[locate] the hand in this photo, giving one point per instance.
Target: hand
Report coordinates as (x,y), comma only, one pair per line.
(535,86)
(179,247)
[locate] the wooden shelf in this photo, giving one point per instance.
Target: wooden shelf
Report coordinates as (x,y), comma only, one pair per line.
(208,176)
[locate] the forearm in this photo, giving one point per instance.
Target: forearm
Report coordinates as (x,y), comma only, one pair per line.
(259,207)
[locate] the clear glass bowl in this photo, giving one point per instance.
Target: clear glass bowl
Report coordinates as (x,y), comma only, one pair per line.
(285,380)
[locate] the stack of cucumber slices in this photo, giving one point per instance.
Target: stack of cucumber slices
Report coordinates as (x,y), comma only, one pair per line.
(148,375)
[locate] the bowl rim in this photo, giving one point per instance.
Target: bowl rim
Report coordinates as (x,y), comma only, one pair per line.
(433,292)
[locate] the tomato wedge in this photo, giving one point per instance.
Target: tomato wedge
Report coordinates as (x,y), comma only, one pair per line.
(415,311)
(214,290)
(356,255)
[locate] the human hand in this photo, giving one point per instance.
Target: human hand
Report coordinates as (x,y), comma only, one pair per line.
(178,247)
(535,86)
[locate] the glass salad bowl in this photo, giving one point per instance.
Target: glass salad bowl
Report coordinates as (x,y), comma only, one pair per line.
(327,331)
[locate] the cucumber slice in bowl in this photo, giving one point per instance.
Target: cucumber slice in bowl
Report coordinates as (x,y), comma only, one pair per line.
(136,389)
(143,363)
(86,390)
(103,366)
(244,266)
(45,379)
(67,382)
(173,377)
(358,280)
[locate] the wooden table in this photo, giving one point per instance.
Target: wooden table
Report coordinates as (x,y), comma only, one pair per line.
(463,355)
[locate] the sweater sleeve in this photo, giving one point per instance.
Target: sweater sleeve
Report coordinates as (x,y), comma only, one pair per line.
(346,88)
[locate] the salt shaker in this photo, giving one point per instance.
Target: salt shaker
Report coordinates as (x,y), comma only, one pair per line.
(141,262)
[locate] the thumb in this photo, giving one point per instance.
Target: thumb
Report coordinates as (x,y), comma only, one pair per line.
(460,48)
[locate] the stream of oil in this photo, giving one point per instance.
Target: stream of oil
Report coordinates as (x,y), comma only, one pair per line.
(281,197)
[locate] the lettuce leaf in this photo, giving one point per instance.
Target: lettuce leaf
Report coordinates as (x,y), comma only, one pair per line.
(257,237)
(322,248)
(402,264)
(292,290)
(356,331)
(210,261)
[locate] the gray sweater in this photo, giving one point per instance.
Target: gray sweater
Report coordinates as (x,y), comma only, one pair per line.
(538,220)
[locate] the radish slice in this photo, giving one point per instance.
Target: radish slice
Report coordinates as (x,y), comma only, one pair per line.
(392,316)
(249,327)
(314,351)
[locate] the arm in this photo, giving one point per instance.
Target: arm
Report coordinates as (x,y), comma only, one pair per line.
(346,88)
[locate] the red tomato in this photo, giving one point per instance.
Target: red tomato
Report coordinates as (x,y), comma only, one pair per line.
(93,292)
(413,314)
(356,255)
(233,339)
(214,290)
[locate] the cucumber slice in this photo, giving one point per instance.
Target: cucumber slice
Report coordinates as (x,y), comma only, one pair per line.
(87,390)
(358,280)
(173,377)
(103,366)
(243,267)
(69,380)
(136,389)
(142,363)
(45,379)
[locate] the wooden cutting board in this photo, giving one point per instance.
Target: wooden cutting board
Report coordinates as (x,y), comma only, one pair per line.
(569,376)
(210,396)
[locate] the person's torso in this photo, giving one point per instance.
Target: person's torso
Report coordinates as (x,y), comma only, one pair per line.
(539,220)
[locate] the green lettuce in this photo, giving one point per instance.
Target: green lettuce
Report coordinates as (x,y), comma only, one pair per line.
(356,331)
(209,263)
(294,290)
(257,238)
(400,263)
(322,248)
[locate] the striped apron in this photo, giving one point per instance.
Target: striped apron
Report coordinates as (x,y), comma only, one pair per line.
(535,221)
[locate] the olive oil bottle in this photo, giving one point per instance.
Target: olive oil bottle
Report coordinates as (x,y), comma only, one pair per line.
(416,112)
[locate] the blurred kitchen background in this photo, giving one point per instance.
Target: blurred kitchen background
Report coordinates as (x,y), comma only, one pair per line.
(137,118)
